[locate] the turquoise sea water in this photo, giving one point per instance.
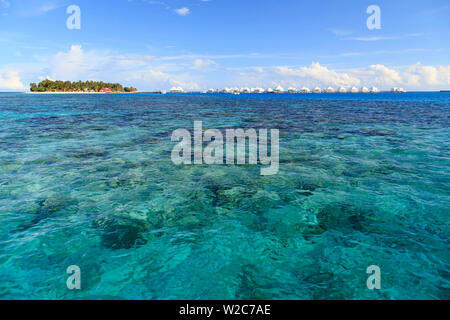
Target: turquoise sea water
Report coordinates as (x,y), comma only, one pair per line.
(87,180)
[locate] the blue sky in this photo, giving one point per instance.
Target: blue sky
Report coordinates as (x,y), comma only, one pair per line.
(227,43)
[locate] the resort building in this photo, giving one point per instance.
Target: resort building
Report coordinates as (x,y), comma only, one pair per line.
(354,90)
(317,90)
(329,90)
(374,90)
(270,90)
(342,90)
(292,90)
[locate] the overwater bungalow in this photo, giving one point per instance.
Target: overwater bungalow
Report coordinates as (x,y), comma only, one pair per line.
(176,90)
(305,90)
(398,90)
(279,89)
(257,90)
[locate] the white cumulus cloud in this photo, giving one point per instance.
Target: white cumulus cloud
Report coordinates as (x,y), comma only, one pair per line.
(10,81)
(317,74)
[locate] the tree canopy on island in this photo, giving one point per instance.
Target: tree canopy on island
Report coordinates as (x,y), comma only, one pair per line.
(80,86)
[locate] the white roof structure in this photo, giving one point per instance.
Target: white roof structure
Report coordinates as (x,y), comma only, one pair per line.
(258,90)
(176,90)
(292,90)
(354,90)
(270,90)
(365,90)
(317,90)
(279,89)
(342,90)
(305,90)
(374,90)
(329,90)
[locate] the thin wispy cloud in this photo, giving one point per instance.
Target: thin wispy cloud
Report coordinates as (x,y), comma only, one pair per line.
(37,8)
(440,10)
(212,56)
(381,38)
(380,52)
(159,3)
(340,32)
(4,4)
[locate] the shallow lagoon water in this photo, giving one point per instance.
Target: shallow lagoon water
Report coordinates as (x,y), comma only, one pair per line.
(87,180)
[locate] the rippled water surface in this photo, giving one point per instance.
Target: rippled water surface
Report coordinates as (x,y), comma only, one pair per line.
(87,180)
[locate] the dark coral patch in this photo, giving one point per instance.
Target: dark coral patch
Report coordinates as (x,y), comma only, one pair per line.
(49,207)
(373,132)
(87,153)
(121,232)
(343,216)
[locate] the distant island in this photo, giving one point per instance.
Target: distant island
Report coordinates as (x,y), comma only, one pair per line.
(79,87)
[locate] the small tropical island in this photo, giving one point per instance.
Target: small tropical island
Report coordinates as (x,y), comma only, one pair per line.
(59,86)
